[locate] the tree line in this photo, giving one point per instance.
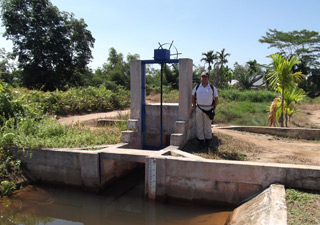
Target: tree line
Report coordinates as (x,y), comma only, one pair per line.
(53,49)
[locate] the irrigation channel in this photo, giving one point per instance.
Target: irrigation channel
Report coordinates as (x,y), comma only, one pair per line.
(122,203)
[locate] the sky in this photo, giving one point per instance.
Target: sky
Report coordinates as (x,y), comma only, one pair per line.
(195,26)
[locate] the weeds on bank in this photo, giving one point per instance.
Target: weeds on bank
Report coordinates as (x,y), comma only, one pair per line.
(9,166)
(47,133)
(303,207)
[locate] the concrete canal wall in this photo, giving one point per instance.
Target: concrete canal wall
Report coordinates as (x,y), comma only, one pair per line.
(170,173)
(225,181)
(87,169)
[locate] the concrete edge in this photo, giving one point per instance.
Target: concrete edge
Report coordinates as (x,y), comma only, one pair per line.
(300,133)
(267,208)
(175,149)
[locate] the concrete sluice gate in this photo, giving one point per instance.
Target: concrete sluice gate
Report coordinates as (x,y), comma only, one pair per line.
(169,172)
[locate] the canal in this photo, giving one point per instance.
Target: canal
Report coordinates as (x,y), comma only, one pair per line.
(123,203)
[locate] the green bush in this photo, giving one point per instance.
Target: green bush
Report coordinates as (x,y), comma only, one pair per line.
(77,100)
(7,187)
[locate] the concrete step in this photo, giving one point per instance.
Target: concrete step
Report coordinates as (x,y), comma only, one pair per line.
(126,135)
(179,126)
(176,139)
(133,124)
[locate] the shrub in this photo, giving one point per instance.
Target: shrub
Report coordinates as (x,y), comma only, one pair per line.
(7,187)
(76,100)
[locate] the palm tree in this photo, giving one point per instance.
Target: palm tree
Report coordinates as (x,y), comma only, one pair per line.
(282,77)
(220,75)
(209,57)
(292,96)
(222,58)
(245,76)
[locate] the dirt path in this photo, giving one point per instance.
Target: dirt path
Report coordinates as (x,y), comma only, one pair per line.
(272,149)
(90,118)
(309,116)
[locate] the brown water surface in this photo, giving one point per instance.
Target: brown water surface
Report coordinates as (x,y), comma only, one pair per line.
(37,205)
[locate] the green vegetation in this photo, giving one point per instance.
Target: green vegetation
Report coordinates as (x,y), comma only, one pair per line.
(47,133)
(303,207)
(284,80)
(248,75)
(25,123)
(248,108)
(53,48)
(220,73)
(7,187)
(74,101)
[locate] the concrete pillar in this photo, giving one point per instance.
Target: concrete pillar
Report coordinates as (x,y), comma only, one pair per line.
(90,174)
(135,87)
(135,96)
(185,88)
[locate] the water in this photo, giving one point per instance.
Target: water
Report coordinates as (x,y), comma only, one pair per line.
(39,205)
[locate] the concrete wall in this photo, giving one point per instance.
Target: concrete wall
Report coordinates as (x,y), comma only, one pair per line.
(225,181)
(303,133)
(169,173)
(112,170)
(170,115)
(91,170)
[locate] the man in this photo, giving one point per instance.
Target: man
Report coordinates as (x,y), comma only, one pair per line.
(202,98)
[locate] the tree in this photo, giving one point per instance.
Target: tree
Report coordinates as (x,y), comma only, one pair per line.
(304,44)
(299,43)
(248,75)
(222,58)
(282,77)
(291,97)
(116,71)
(53,48)
(209,57)
(220,73)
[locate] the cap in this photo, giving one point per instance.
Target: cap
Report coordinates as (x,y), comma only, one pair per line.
(205,74)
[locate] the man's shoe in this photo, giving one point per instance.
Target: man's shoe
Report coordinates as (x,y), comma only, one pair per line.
(207,142)
(202,144)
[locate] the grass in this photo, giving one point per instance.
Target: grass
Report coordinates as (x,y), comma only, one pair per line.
(242,113)
(48,133)
(221,147)
(311,100)
(303,207)
(247,108)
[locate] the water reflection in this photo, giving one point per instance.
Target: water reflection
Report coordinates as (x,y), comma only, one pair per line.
(36,205)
